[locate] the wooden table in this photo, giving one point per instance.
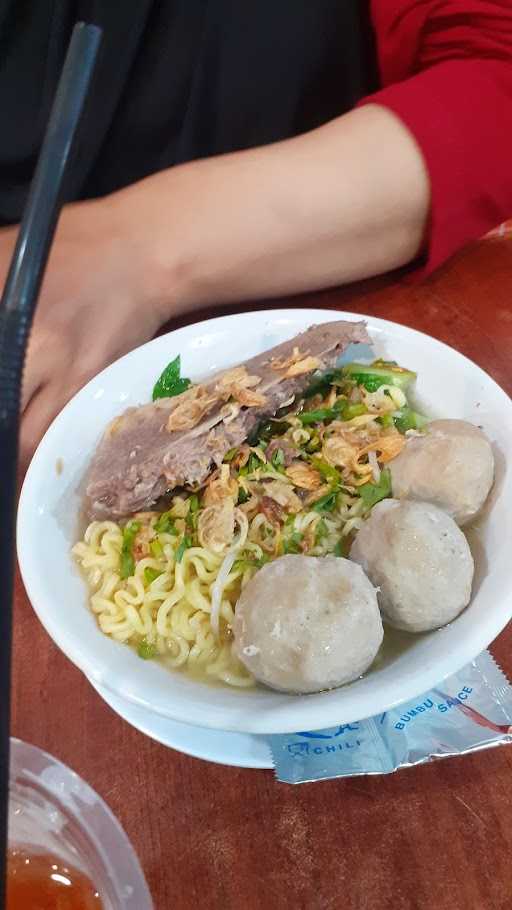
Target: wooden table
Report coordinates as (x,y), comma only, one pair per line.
(213,838)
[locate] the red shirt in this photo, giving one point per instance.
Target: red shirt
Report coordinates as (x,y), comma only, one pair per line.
(446,71)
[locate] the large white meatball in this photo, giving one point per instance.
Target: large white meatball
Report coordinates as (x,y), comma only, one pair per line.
(306,623)
(420,562)
(452,466)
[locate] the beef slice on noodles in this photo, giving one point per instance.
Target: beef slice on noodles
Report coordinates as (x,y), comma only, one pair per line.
(174,442)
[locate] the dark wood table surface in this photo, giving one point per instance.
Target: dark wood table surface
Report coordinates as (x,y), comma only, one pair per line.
(214,838)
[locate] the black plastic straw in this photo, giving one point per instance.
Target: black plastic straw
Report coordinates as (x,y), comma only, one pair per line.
(16,312)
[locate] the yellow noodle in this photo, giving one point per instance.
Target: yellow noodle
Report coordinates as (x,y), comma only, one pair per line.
(164,608)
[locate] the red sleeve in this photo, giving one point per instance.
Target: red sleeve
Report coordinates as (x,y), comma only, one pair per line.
(446,72)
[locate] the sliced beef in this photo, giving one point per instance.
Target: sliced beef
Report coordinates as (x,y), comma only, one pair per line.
(143,454)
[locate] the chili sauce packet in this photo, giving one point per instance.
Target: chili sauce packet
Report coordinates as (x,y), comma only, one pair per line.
(467,712)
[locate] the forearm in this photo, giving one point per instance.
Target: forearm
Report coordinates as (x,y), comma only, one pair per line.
(446,72)
(343,202)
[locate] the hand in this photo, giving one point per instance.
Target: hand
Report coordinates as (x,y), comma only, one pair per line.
(94,306)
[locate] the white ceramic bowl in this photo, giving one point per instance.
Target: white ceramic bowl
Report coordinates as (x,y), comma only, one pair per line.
(449,385)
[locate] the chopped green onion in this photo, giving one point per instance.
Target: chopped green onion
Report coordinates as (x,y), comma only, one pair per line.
(407,419)
(191,522)
(326,503)
(313,445)
(171,382)
(194,503)
(146,650)
(252,465)
(377,374)
(165,524)
(156,548)
(317,416)
(340,409)
(340,404)
(323,382)
(321,531)
(150,574)
(184,545)
(354,410)
(265,431)
(278,459)
(127,561)
(230,455)
(243,496)
(372,493)
(326,470)
(385,420)
(257,563)
(292,544)
(262,560)
(342,548)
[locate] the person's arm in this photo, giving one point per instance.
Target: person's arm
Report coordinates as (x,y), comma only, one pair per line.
(446,69)
(342,202)
(425,159)
(348,200)
(345,201)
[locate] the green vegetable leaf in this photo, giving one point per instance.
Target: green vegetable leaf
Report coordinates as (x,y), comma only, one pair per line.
(372,493)
(127,561)
(171,382)
(150,574)
(146,650)
(194,503)
(385,420)
(243,496)
(326,503)
(184,545)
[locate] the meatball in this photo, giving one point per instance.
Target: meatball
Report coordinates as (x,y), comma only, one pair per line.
(420,562)
(452,466)
(306,623)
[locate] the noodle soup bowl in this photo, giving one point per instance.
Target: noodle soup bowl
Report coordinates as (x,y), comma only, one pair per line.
(49,523)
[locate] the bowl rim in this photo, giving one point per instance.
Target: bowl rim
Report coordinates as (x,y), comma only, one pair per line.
(292,713)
